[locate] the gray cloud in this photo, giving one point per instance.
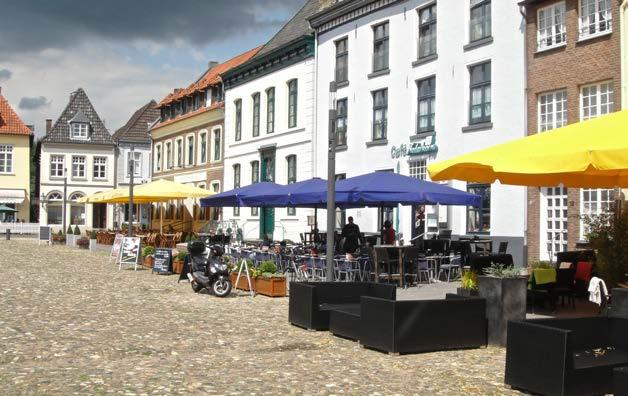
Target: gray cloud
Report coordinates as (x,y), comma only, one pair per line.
(63,23)
(33,103)
(5,74)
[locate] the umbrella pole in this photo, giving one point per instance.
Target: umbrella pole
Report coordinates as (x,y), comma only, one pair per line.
(381,229)
(161,218)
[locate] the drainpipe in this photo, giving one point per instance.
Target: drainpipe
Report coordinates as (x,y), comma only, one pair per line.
(522,10)
(623,11)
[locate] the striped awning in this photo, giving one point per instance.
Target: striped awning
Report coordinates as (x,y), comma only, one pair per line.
(8,196)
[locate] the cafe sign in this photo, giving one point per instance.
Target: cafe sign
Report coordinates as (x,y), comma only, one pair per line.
(425,146)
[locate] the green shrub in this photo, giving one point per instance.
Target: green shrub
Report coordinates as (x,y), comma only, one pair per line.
(502,271)
(148,251)
(181,256)
(60,233)
(69,230)
(92,235)
(77,230)
(469,280)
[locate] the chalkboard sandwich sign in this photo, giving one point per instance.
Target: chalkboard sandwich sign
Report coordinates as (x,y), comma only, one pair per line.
(130,253)
(163,261)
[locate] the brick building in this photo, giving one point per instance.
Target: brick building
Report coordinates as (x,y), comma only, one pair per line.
(574,74)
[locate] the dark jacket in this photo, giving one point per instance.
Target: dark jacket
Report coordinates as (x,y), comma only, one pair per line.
(351,234)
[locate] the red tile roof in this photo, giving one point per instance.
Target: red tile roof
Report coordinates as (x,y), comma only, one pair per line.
(10,123)
(211,77)
(190,114)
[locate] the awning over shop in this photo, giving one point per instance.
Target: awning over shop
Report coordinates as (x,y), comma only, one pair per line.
(8,196)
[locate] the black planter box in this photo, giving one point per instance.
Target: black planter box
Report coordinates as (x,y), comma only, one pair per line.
(467,292)
(505,300)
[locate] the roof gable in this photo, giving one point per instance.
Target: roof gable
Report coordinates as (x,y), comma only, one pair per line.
(79,103)
(10,122)
(136,128)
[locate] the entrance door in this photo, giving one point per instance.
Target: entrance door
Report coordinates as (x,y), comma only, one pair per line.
(99,215)
(267,215)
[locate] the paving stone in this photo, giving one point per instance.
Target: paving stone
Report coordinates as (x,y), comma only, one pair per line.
(71,323)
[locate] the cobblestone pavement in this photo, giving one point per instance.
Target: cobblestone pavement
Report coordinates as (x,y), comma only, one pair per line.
(71,323)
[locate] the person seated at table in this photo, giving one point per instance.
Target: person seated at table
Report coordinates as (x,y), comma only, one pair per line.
(352,236)
(389,233)
(266,242)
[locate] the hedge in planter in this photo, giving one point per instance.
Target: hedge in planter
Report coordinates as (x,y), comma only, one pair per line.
(179,262)
(149,256)
(82,243)
(268,282)
(468,284)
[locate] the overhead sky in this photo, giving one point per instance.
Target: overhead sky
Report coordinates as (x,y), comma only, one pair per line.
(123,53)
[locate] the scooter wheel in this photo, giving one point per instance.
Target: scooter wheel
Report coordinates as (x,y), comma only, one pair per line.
(222,287)
(196,287)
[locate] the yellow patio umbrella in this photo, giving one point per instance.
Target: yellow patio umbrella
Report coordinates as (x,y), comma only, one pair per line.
(588,154)
(104,195)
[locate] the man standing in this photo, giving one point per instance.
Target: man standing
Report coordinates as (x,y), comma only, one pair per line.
(352,236)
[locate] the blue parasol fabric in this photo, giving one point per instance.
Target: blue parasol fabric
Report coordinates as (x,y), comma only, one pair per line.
(291,195)
(236,197)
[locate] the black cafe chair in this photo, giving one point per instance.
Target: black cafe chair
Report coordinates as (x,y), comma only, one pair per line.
(503,248)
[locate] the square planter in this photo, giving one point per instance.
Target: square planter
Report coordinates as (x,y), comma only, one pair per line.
(177,266)
(467,292)
(92,245)
(242,284)
(271,287)
(505,300)
(70,240)
(149,261)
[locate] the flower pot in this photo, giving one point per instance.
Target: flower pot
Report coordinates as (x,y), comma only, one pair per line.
(92,245)
(243,284)
(149,261)
(70,240)
(467,292)
(505,300)
(271,287)
(177,266)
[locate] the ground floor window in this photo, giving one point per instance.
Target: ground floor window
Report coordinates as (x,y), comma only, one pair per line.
(594,202)
(77,214)
(479,219)
(554,204)
(55,214)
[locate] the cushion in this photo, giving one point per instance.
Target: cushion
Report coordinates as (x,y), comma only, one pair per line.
(583,271)
(565,265)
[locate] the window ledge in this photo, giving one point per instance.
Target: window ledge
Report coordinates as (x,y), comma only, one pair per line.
(593,36)
(342,147)
(553,47)
(421,135)
(478,127)
(380,142)
(378,73)
(342,84)
(7,174)
(478,43)
(424,60)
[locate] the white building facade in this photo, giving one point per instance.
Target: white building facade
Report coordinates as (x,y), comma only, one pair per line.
(421,81)
(269,127)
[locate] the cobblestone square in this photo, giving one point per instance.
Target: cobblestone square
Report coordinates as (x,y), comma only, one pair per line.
(71,323)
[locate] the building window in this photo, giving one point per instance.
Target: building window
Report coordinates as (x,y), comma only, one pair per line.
(158,157)
(136,158)
(595,17)
(480,20)
(480,90)
(6,158)
(479,219)
(270,110)
(168,155)
(238,120)
(342,60)
(179,153)
(551,30)
(341,122)
(256,105)
(341,214)
(54,208)
(418,169)
(292,177)
(203,147)
(380,114)
(217,145)
(596,100)
(380,47)
(190,150)
(173,111)
(57,165)
(552,110)
(236,184)
(77,210)
(78,167)
(555,204)
(427,31)
(100,167)
(595,202)
(79,130)
(292,103)
(254,179)
(426,105)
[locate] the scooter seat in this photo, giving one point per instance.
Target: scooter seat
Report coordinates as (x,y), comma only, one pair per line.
(200,277)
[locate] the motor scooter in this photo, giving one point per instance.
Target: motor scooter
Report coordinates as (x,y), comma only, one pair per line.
(207,269)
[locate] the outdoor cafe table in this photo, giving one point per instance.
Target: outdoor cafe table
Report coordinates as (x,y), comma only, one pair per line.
(400,250)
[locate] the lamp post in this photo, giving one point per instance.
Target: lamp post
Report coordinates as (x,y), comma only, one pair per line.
(131,180)
(65,194)
(331,182)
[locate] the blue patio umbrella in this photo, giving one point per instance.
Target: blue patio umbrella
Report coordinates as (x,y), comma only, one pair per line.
(236,197)
(291,195)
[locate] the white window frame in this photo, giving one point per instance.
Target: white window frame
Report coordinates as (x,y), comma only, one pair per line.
(180,157)
(57,165)
(212,183)
(556,32)
(168,154)
(6,158)
(158,156)
(213,145)
(418,169)
(601,204)
(586,21)
(80,130)
(201,145)
(189,161)
(79,161)
(137,163)
(603,102)
(553,220)
(552,110)
(97,165)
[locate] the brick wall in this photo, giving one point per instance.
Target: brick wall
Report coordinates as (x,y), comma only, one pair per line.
(568,67)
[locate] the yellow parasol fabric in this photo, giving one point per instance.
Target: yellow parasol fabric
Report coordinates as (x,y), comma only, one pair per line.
(588,154)
(157,191)
(99,197)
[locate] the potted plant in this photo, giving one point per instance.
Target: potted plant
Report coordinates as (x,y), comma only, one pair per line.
(58,238)
(242,284)
(92,241)
(82,243)
(608,235)
(468,284)
(268,282)
(149,256)
(505,291)
(178,262)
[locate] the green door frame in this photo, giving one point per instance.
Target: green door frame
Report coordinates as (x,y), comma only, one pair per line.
(267,174)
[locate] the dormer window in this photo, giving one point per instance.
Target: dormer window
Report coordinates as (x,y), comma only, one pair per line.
(79,130)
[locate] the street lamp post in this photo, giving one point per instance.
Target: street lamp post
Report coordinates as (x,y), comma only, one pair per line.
(65,194)
(131,180)
(331,182)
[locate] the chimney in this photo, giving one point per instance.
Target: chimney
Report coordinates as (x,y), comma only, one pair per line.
(48,125)
(31,127)
(211,65)
(0,90)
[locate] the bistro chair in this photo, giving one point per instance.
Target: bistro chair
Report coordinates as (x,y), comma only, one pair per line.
(565,286)
(452,269)
(503,248)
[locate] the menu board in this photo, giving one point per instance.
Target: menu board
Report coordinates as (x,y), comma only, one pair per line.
(130,253)
(163,261)
(115,248)
(44,234)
